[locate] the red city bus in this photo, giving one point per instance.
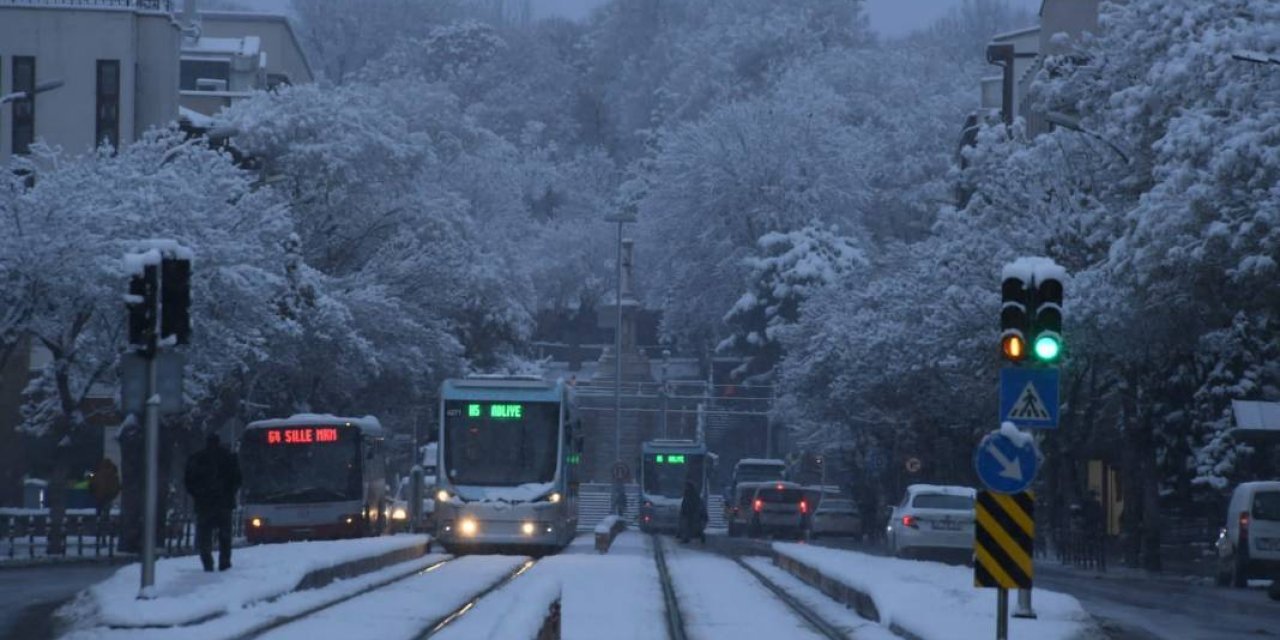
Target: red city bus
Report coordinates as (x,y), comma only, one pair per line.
(312,477)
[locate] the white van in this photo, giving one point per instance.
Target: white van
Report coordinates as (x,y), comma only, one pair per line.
(1249,545)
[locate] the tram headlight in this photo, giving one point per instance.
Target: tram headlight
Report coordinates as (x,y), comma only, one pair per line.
(442,496)
(468,527)
(399,514)
(256,523)
(527,528)
(553,498)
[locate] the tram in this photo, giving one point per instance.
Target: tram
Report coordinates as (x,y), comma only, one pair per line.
(509,449)
(665,467)
(312,477)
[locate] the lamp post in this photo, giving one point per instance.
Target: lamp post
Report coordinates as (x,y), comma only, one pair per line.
(666,361)
(622,217)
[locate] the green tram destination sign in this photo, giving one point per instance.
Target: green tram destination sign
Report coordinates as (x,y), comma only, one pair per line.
(675,458)
(496,411)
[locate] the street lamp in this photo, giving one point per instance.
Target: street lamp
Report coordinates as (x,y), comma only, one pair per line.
(622,217)
(47,85)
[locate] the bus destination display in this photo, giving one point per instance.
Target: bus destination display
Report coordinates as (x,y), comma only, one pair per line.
(496,411)
(302,435)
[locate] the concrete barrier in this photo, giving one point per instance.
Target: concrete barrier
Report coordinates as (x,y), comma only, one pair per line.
(834,589)
(607,530)
(324,577)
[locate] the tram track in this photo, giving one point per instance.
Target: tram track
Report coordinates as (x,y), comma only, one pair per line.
(284,620)
(674,619)
(810,617)
(441,623)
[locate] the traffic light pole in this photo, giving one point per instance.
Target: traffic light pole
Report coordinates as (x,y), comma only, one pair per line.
(152,490)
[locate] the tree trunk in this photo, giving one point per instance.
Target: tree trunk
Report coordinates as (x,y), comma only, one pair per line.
(1150,508)
(1131,518)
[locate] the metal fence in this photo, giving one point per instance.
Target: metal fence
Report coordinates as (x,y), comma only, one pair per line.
(146,5)
(87,536)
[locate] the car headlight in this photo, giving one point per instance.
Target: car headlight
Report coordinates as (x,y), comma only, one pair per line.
(399,514)
(442,496)
(553,498)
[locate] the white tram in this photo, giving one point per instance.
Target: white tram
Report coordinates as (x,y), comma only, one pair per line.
(509,452)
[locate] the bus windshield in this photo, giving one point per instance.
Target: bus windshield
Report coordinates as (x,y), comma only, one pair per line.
(501,444)
(293,465)
(665,474)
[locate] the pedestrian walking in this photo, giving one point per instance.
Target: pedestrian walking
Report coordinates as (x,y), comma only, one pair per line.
(212,478)
(693,515)
(104,486)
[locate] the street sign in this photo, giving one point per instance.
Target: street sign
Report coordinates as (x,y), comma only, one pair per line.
(133,382)
(913,465)
(1007,460)
(1004,535)
(1029,397)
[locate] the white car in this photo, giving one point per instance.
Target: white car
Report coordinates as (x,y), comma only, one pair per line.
(932,518)
(836,517)
(1249,545)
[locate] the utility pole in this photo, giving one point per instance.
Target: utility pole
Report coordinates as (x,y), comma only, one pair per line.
(621,218)
(666,361)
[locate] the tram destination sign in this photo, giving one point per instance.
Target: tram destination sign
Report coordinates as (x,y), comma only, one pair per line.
(673,458)
(496,411)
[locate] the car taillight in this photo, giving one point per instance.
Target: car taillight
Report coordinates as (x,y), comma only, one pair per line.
(1244,529)
(758,505)
(648,504)
(804,507)
(910,521)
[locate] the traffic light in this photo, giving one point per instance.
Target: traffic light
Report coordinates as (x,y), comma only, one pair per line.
(1047,322)
(141,304)
(1013,319)
(175,299)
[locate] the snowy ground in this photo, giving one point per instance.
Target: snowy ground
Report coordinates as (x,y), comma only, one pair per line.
(937,601)
(843,618)
(185,594)
(721,601)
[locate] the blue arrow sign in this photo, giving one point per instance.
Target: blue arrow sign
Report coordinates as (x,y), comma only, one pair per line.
(1007,460)
(1029,397)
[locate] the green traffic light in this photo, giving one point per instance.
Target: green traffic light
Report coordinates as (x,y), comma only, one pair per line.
(1047,348)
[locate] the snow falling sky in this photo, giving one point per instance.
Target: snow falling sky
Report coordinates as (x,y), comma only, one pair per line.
(890,17)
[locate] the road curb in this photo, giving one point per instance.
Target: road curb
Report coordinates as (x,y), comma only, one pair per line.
(859,601)
(324,577)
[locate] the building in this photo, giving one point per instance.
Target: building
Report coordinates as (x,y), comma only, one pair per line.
(233,54)
(116,61)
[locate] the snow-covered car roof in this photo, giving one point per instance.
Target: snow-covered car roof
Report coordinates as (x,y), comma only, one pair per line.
(943,489)
(368,425)
(763,461)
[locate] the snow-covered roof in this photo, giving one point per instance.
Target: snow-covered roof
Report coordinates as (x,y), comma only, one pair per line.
(195,118)
(492,388)
(679,446)
(1035,268)
(243,46)
(1256,416)
(763,461)
(368,425)
(946,490)
(1017,33)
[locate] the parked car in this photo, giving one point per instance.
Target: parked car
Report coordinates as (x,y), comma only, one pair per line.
(1249,545)
(932,519)
(836,517)
(780,508)
(738,507)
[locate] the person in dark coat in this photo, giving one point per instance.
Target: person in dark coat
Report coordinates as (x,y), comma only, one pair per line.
(693,515)
(212,478)
(104,486)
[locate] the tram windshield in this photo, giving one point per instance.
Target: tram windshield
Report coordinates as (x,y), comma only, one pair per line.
(666,473)
(301,465)
(501,444)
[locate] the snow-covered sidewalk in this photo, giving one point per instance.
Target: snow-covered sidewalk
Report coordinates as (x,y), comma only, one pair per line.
(185,594)
(935,601)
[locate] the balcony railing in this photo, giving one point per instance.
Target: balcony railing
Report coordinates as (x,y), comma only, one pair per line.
(145,5)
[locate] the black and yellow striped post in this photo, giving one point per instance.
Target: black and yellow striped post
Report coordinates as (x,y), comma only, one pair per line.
(1003,541)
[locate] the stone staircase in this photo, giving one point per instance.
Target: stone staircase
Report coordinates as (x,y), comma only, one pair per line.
(593,506)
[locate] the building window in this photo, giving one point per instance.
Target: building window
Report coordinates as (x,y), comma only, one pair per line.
(107,130)
(205,75)
(24,110)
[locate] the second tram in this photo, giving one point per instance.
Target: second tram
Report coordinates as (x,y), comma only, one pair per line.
(507,480)
(665,467)
(313,477)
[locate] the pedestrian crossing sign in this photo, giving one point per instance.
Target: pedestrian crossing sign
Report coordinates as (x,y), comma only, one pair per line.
(1029,397)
